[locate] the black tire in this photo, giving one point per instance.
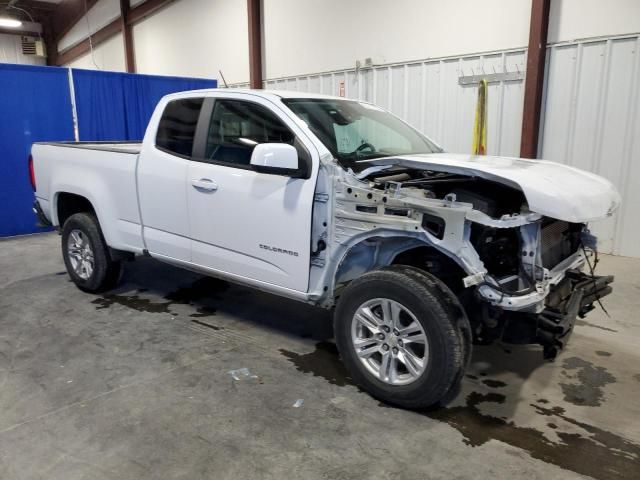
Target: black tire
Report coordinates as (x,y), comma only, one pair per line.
(463,327)
(441,317)
(106,272)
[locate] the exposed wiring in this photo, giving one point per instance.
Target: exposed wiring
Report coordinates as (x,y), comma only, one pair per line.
(592,269)
(86,16)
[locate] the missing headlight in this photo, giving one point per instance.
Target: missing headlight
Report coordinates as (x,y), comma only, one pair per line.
(498,248)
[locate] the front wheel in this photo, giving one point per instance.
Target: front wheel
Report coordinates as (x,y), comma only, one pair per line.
(399,337)
(86,254)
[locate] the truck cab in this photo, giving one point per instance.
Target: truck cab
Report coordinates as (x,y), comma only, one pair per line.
(340,204)
(206,202)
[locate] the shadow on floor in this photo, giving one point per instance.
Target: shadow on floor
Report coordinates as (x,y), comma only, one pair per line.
(148,285)
(151,286)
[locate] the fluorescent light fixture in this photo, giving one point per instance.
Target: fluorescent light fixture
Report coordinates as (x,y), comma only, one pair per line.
(10,22)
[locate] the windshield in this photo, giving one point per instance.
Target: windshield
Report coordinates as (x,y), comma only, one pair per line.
(355,131)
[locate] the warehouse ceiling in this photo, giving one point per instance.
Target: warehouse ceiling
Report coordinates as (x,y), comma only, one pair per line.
(55,16)
(28,11)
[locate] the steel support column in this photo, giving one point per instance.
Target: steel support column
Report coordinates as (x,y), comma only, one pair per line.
(534,78)
(254,11)
(127,36)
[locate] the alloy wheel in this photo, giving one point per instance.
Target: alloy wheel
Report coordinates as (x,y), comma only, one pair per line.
(80,254)
(389,341)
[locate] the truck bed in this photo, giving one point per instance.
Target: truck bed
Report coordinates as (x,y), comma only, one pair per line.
(104,173)
(119,147)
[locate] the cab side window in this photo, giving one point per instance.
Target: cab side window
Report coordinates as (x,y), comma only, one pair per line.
(177,126)
(236,127)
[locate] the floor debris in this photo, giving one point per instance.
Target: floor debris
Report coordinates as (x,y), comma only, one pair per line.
(242,374)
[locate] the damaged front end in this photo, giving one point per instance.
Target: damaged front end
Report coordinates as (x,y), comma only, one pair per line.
(536,298)
(534,286)
(573,297)
(518,273)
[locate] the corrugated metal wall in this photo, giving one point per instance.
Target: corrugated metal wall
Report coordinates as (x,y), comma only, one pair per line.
(590,118)
(592,121)
(428,96)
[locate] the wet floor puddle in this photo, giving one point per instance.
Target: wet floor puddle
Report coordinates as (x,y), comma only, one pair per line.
(322,362)
(202,290)
(598,453)
(586,382)
(133,301)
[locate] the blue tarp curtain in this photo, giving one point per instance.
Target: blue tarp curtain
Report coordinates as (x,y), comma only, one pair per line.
(35,106)
(117,106)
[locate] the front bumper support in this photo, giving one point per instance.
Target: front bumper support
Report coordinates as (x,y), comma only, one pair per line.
(573,297)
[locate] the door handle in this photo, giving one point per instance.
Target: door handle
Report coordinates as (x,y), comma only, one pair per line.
(204,184)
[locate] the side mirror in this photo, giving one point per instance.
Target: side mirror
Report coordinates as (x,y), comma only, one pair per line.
(275,158)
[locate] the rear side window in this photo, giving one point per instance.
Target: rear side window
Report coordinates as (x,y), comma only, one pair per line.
(178,126)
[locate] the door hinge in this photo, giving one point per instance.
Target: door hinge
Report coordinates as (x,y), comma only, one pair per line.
(321,197)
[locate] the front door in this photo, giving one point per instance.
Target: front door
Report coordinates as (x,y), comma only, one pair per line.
(245,223)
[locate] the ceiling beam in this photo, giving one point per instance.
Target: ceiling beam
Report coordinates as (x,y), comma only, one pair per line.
(534,80)
(36,5)
(127,36)
(28,11)
(68,13)
(146,9)
(254,15)
(133,15)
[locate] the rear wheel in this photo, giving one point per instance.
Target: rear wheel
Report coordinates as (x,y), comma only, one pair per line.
(399,337)
(86,254)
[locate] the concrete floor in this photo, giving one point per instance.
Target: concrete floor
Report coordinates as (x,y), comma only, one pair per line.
(135,385)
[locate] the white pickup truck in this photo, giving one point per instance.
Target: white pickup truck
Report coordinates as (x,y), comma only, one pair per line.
(340,204)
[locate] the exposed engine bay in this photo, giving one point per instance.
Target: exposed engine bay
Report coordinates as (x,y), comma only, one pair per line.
(498,248)
(518,273)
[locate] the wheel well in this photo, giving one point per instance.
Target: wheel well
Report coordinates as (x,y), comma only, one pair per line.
(69,203)
(435,262)
(377,252)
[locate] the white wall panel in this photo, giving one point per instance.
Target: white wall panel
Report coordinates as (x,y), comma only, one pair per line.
(415,82)
(199,37)
(570,20)
(307,36)
(334,34)
(628,228)
(100,15)
(11,51)
(592,121)
(195,38)
(428,96)
(108,56)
